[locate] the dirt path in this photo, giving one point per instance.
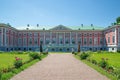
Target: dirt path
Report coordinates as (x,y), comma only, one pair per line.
(59,67)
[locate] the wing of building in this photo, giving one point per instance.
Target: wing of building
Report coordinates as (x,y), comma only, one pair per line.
(59,38)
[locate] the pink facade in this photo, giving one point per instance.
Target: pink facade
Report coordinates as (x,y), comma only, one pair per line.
(59,38)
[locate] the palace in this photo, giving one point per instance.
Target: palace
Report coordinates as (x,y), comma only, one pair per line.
(60,38)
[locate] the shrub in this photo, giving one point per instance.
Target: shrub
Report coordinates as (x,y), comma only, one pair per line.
(84,55)
(94,62)
(18,62)
(7,76)
(45,53)
(73,52)
(118,51)
(88,59)
(117,73)
(99,51)
(118,77)
(35,56)
(4,70)
(103,63)
(20,52)
(110,69)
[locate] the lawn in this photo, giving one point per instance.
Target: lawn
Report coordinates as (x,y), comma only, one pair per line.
(7,59)
(113,58)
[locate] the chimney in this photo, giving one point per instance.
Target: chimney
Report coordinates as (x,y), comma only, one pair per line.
(91,25)
(37,25)
(28,25)
(82,25)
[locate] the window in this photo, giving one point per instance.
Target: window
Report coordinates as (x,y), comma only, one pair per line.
(20,41)
(95,40)
(53,49)
(108,39)
(68,49)
(85,41)
(24,41)
(67,42)
(35,41)
(90,41)
(79,40)
(41,41)
(30,41)
(101,40)
(53,40)
(84,34)
(112,48)
(30,34)
(73,41)
(113,39)
(35,34)
(47,41)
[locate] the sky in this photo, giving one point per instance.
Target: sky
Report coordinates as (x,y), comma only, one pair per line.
(54,12)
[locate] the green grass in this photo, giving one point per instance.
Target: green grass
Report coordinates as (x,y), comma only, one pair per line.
(98,69)
(59,52)
(8,75)
(113,58)
(7,60)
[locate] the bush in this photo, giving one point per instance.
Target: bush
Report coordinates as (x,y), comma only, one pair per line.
(45,53)
(94,62)
(73,52)
(88,59)
(110,69)
(35,56)
(20,52)
(103,63)
(18,62)
(117,73)
(7,76)
(118,51)
(118,77)
(84,55)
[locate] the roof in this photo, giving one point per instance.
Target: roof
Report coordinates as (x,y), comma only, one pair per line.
(60,27)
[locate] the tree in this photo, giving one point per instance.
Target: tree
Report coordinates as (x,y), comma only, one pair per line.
(118,20)
(41,49)
(79,47)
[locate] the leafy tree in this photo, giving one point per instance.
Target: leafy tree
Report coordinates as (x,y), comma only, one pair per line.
(78,47)
(41,49)
(118,20)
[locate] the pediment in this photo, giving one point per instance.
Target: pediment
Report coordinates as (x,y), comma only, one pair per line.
(60,27)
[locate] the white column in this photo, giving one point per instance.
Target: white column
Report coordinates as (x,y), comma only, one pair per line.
(1,36)
(76,37)
(70,38)
(5,37)
(64,37)
(116,37)
(50,37)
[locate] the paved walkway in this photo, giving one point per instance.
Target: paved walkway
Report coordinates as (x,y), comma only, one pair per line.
(59,67)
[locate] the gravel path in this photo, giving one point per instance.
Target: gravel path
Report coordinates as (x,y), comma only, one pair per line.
(59,67)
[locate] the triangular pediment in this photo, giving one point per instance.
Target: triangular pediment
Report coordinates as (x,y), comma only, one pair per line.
(60,27)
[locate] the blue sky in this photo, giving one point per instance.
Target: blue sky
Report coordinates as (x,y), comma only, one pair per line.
(55,12)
